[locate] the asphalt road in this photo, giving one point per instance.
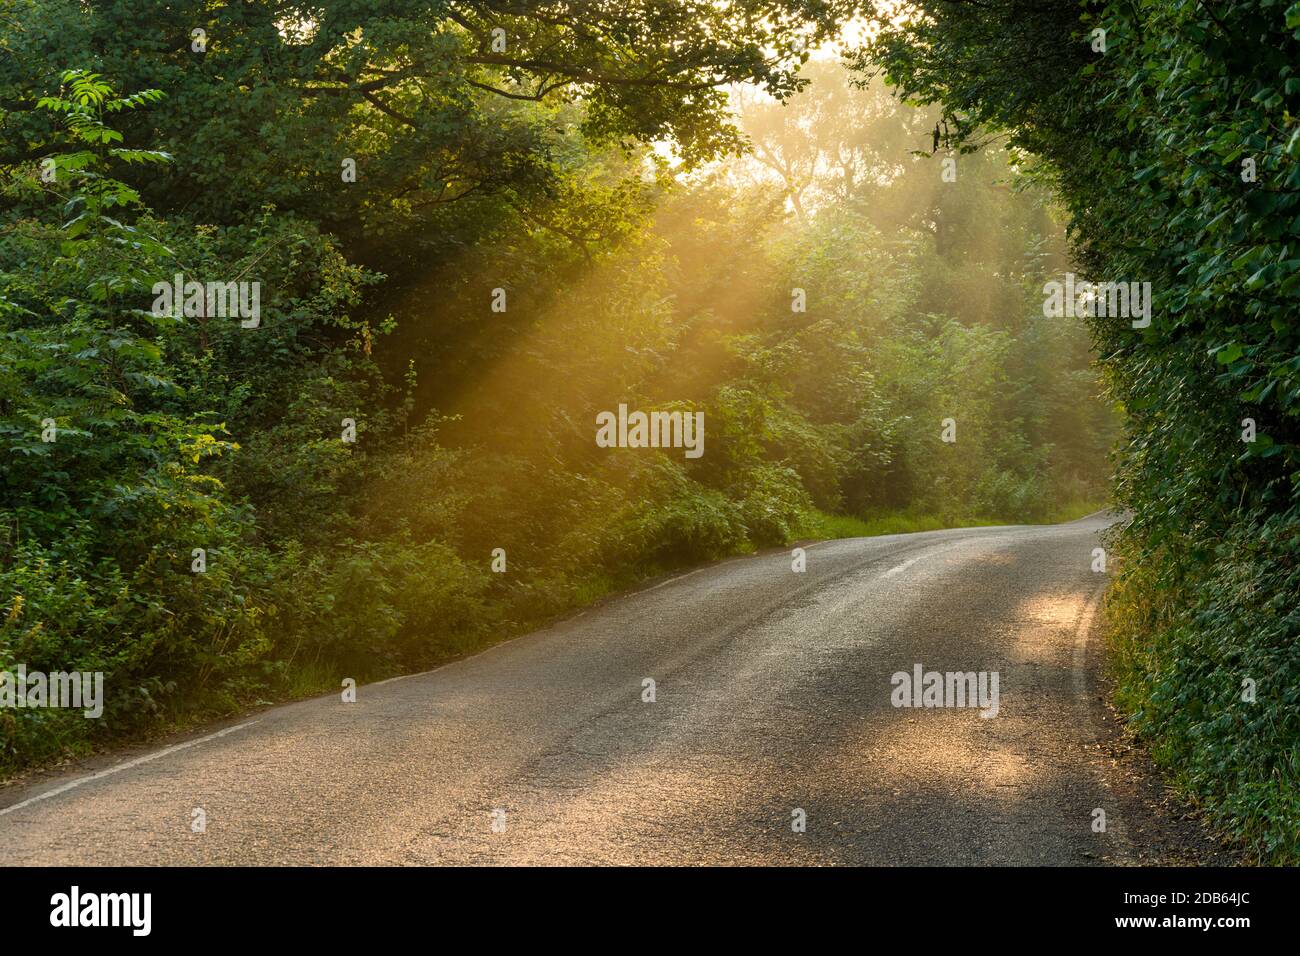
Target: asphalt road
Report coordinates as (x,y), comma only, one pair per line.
(772,696)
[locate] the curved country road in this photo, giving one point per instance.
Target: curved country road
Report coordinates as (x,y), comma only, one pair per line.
(772,695)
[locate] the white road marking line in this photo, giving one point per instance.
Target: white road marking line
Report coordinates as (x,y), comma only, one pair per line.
(928,552)
(72,784)
(719,564)
(1083,631)
(898,569)
(664,584)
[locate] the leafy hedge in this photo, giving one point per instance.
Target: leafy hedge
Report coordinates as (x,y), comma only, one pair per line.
(1172,135)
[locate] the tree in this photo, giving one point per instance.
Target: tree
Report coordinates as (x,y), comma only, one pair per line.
(436,101)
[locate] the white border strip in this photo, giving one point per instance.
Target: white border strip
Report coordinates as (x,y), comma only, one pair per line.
(73,784)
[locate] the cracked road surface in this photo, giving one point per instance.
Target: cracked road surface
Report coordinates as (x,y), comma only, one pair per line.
(772,695)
